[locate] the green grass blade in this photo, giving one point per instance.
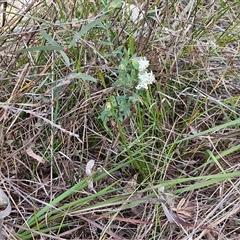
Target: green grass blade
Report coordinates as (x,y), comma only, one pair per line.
(91,25)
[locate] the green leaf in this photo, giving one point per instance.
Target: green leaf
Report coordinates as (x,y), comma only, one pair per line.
(83,76)
(86,29)
(41,48)
(54,43)
(53,47)
(116,4)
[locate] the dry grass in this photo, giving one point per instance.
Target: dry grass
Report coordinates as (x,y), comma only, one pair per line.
(184,134)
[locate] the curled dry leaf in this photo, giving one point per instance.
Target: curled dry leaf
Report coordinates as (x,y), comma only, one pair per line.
(89,168)
(5,209)
(165,201)
(3,203)
(134,12)
(183,214)
(185,211)
(30,153)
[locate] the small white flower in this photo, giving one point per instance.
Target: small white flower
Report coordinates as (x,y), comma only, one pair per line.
(145,78)
(142,86)
(143,64)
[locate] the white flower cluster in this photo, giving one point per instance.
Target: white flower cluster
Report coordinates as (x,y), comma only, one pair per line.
(145,78)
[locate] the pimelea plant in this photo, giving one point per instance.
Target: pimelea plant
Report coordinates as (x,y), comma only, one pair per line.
(133,77)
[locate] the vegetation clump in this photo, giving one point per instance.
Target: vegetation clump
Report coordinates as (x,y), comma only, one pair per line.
(120,119)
